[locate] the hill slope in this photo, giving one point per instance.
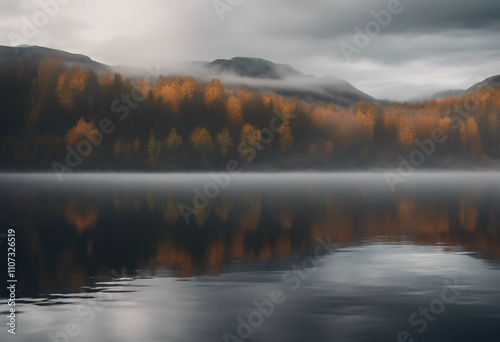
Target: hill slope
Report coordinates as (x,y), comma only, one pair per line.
(261,74)
(256,73)
(493,82)
(35,54)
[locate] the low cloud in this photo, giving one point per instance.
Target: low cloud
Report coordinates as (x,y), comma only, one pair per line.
(453,43)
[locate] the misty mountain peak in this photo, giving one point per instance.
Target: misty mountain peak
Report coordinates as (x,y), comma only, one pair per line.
(254,68)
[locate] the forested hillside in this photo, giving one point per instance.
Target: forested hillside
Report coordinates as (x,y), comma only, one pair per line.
(58,116)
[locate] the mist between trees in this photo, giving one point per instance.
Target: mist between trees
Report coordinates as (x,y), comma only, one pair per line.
(183,124)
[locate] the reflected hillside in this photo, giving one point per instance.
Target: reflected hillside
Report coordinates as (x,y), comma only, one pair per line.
(86,231)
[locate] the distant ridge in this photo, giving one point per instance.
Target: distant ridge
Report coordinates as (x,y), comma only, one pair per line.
(264,75)
(36,54)
(256,73)
(493,81)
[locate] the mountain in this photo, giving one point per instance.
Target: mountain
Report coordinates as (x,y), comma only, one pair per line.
(447,93)
(35,54)
(264,75)
(256,73)
(253,68)
(493,82)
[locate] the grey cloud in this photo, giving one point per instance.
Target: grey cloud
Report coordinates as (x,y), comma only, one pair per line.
(444,42)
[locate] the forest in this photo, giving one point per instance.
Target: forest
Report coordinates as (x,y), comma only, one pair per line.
(68,118)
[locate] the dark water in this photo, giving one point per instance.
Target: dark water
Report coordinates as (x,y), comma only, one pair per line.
(269,257)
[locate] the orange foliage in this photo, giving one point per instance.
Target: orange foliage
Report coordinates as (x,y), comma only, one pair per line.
(202,140)
(70,83)
(322,115)
(106,80)
(81,219)
(171,94)
(189,88)
(234,112)
(250,134)
(214,92)
(80,132)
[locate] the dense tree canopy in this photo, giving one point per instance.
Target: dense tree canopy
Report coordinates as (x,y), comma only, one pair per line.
(178,123)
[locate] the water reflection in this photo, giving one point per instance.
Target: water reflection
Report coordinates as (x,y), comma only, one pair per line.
(91,228)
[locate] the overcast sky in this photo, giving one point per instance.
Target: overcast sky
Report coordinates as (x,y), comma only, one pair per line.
(451,43)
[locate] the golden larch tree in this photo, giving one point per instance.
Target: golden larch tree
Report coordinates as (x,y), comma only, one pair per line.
(82,130)
(234,112)
(250,135)
(224,142)
(202,140)
(69,84)
(173,141)
(214,92)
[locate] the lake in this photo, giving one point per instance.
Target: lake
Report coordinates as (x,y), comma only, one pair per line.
(253,257)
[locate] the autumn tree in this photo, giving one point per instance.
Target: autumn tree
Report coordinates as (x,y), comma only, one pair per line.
(70,83)
(202,141)
(234,112)
(189,89)
(44,114)
(171,95)
(406,134)
(174,141)
(469,137)
(214,93)
(250,135)
(83,130)
(215,96)
(224,141)
(106,80)
(154,147)
(48,73)
(286,138)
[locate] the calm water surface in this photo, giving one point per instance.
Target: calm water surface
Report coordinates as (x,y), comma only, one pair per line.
(111,257)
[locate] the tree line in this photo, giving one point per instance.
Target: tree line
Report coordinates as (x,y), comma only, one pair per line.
(180,123)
